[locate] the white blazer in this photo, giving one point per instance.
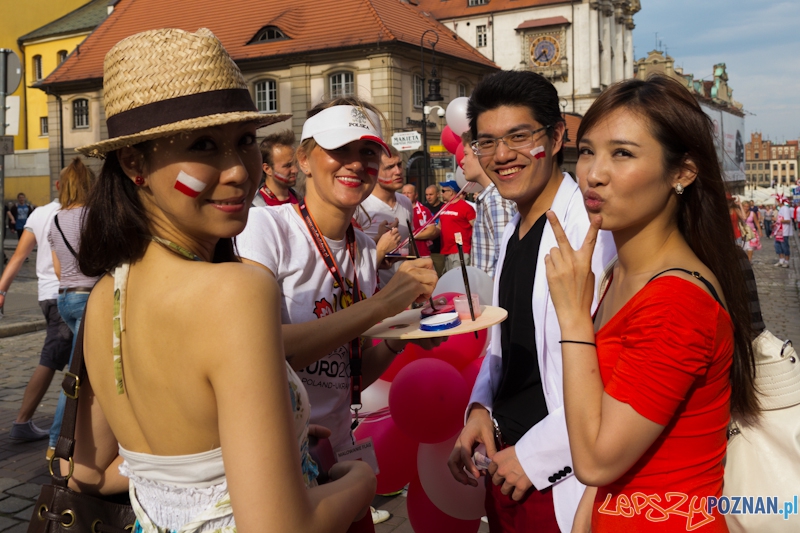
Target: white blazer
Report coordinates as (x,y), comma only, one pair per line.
(544,450)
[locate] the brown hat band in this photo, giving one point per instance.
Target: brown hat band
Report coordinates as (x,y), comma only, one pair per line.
(173,110)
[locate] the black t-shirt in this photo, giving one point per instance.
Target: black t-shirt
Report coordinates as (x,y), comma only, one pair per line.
(436,247)
(519,403)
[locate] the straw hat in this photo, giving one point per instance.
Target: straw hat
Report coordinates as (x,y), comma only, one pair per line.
(161,82)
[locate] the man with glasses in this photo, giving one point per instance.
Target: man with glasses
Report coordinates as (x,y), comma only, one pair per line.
(516,408)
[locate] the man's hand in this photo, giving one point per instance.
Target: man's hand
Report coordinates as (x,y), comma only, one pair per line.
(506,471)
(479,429)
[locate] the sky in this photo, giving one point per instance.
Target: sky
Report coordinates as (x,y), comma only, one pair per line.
(758,40)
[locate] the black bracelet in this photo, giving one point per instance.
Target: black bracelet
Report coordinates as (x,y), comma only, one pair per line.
(398,352)
(579,342)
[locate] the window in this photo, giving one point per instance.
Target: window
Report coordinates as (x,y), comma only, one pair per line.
(80,113)
(480,40)
(783,166)
(774,167)
(791,166)
(419,91)
(341,84)
(462,89)
(267,96)
(756,155)
(37,68)
(477,2)
(268,33)
(760,166)
(62,56)
(43,127)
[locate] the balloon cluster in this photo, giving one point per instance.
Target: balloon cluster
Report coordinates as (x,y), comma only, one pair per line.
(457,125)
(416,411)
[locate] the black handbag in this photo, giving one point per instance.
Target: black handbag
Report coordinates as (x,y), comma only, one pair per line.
(60,509)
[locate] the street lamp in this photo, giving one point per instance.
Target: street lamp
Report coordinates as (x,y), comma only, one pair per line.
(434,95)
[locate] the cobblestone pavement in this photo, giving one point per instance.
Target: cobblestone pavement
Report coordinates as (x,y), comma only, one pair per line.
(23,468)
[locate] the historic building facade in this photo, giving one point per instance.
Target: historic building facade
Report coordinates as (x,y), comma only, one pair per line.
(582,46)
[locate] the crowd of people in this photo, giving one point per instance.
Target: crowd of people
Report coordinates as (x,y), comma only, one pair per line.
(755,222)
(224,314)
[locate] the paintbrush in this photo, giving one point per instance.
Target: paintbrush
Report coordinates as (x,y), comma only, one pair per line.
(414,250)
(460,244)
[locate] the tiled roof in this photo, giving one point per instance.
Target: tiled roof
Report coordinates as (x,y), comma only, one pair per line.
(84,19)
(539,23)
(573,123)
(449,9)
(311,25)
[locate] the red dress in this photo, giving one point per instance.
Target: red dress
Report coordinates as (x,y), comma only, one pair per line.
(667,353)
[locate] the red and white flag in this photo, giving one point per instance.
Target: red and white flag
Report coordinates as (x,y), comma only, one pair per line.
(538,152)
(189,185)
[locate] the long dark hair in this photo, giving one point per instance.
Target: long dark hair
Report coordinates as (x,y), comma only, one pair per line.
(116,227)
(679,124)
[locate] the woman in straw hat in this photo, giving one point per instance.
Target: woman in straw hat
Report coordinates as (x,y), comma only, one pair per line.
(183,343)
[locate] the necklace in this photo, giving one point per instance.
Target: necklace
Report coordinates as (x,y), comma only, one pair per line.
(176,248)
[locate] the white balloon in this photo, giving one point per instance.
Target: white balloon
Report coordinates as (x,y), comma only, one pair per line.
(456,115)
(451,497)
(480,283)
(460,179)
(375,397)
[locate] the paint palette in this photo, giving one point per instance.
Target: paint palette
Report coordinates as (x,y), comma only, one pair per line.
(406,325)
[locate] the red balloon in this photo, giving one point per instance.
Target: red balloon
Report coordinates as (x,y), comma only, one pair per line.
(458,350)
(396,453)
(459,158)
(425,517)
(427,400)
(451,141)
(471,371)
(409,355)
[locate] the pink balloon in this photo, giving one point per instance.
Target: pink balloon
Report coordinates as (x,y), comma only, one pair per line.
(459,501)
(425,517)
(427,400)
(400,362)
(471,371)
(396,453)
(451,141)
(458,350)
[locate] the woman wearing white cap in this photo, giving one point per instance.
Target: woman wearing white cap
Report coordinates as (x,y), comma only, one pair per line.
(326,270)
(182,342)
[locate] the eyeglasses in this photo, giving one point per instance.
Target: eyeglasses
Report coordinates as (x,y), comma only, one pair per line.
(514,141)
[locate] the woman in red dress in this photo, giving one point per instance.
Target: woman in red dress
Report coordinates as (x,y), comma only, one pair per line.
(651,379)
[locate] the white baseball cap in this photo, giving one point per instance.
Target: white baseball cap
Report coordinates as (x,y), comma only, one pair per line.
(336,126)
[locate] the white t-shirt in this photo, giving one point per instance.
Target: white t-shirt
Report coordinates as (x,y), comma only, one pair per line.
(278,238)
(786,212)
(39,223)
(373,211)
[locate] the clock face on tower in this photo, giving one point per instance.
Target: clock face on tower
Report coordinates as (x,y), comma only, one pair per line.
(545,51)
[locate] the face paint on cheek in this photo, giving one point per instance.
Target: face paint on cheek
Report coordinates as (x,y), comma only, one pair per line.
(538,152)
(281,178)
(188,185)
(372,170)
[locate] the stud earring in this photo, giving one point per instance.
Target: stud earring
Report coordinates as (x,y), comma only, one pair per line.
(138,180)
(679,188)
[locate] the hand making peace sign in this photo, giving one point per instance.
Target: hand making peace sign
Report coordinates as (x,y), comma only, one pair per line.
(569,273)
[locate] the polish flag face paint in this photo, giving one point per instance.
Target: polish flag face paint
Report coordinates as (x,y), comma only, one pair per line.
(283,179)
(189,185)
(372,170)
(538,152)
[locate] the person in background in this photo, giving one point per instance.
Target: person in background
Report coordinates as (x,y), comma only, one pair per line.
(58,340)
(651,377)
(796,216)
(280,170)
(769,213)
(20,212)
(493,212)
(433,201)
(64,239)
(753,220)
(785,213)
(458,217)
(516,408)
(422,215)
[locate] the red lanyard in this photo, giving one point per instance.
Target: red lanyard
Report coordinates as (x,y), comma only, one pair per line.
(333,268)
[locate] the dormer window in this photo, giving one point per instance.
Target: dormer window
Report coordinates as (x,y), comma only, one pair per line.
(477,2)
(268,33)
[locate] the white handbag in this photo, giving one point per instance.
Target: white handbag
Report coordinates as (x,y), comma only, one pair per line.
(763,459)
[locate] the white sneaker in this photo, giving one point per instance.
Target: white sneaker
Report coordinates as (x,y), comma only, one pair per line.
(779,263)
(785,265)
(379,515)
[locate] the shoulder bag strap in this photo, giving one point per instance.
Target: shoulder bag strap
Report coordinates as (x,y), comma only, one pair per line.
(69,247)
(71,385)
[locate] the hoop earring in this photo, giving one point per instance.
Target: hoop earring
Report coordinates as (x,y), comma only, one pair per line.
(679,189)
(139,181)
